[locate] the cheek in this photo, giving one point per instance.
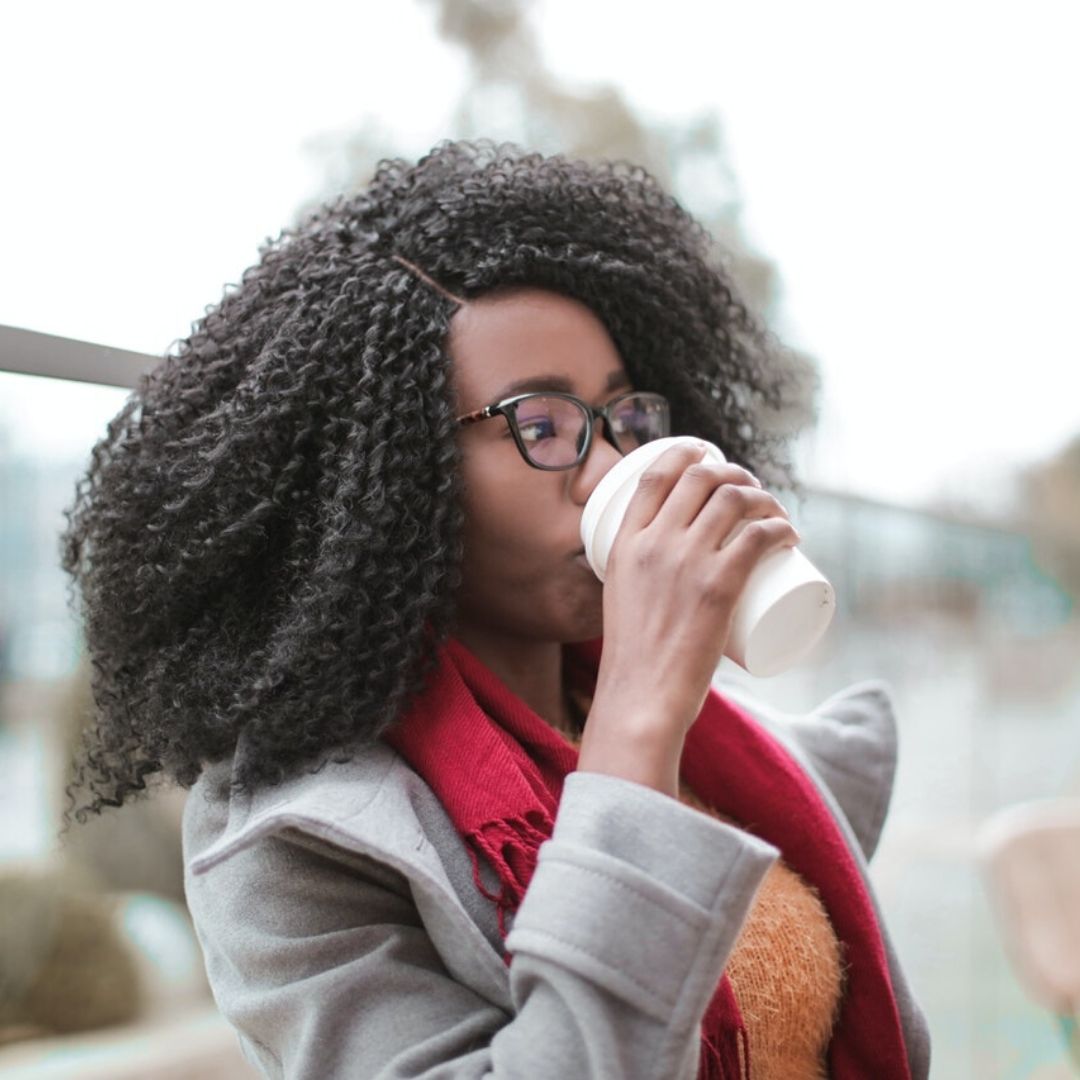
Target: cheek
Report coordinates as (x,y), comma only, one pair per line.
(506,538)
(510,510)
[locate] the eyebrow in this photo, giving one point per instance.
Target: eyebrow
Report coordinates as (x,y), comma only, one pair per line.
(615,379)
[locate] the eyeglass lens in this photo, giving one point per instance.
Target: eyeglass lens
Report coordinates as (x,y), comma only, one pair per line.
(553,429)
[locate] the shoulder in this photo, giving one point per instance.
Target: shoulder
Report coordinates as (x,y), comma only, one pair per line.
(847,743)
(343,804)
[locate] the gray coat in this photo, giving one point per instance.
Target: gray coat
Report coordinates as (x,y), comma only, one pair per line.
(344,935)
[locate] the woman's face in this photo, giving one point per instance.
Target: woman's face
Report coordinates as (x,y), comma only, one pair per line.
(523,575)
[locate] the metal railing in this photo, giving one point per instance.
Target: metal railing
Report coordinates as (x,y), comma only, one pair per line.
(30,352)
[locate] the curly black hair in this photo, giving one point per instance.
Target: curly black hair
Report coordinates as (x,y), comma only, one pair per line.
(268,538)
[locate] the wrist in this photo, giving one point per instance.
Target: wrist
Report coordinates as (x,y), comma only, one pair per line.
(648,708)
(637,752)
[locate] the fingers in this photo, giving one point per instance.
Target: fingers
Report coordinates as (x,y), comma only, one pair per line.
(755,540)
(725,576)
(729,507)
(712,497)
(657,483)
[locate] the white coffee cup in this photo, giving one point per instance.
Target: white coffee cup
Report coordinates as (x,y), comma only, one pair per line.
(786,604)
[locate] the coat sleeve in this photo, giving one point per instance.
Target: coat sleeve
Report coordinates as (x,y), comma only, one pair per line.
(321,960)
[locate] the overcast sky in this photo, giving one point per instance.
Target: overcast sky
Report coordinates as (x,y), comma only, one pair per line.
(911,168)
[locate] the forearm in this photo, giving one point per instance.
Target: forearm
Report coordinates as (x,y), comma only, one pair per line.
(633,735)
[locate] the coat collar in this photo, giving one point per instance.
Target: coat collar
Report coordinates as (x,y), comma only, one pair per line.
(849,742)
(374,800)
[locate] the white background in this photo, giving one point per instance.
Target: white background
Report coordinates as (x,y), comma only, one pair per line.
(911,168)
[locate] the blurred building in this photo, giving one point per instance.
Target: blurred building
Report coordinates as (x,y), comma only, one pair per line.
(887,561)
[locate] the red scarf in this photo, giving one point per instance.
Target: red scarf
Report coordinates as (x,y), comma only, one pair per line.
(467,726)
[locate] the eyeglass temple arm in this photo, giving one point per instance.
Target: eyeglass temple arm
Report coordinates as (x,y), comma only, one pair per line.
(481,414)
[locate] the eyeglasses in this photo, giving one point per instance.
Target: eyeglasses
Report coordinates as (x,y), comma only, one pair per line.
(554,430)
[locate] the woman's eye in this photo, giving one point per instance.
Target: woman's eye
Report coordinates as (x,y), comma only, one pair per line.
(533,430)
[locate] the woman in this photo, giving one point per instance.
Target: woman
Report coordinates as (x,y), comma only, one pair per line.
(452,813)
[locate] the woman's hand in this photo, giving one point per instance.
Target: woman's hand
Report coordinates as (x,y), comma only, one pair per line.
(669,596)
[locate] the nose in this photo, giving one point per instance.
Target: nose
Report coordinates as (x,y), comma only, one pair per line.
(601,457)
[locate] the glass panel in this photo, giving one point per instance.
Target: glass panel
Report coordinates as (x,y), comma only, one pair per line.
(978,646)
(47,428)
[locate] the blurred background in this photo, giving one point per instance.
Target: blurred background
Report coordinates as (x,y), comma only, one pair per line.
(895,185)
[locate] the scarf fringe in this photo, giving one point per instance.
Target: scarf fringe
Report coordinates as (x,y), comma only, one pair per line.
(492,840)
(725,1045)
(724,1059)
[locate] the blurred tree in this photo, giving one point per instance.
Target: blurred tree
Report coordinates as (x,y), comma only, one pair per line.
(512,95)
(1051,509)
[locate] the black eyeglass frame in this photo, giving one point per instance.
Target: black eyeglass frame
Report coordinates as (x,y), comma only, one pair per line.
(508,408)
